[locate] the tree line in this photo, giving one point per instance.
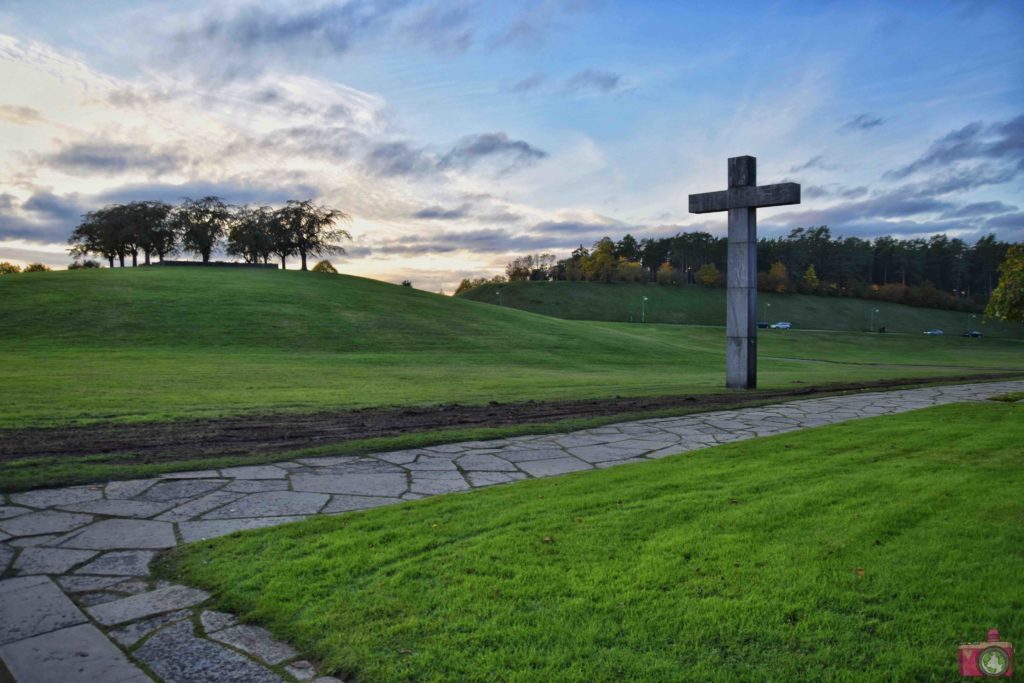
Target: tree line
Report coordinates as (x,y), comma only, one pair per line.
(201,226)
(939,271)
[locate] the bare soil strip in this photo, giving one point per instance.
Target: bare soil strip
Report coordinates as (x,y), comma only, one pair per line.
(279,432)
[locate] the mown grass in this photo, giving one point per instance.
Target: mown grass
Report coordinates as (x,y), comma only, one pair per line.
(860,551)
(696,305)
(159,344)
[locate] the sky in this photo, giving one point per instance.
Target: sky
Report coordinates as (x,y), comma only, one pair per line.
(461,134)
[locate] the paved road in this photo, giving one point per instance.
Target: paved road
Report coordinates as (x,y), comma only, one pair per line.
(80,604)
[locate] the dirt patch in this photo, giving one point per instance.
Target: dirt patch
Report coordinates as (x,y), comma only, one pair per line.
(279,432)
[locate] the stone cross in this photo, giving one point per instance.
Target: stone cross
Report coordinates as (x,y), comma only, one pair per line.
(742,200)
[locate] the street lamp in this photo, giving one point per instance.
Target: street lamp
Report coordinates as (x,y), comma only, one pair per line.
(643,310)
(498,294)
(873,311)
(764,314)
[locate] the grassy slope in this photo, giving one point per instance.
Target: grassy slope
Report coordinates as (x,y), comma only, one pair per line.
(696,305)
(862,551)
(154,343)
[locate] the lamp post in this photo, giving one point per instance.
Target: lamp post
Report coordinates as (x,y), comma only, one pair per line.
(643,310)
(873,311)
(764,311)
(498,294)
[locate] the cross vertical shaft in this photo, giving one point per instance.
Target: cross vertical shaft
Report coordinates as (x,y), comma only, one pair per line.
(741,310)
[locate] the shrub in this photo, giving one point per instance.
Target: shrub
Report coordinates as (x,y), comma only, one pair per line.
(665,275)
(407,283)
(88,263)
(324,267)
(8,268)
(36,268)
(709,275)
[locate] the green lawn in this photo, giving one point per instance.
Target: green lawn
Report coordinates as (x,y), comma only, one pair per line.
(696,305)
(158,344)
(860,551)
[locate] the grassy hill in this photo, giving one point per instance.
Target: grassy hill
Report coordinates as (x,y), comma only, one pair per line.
(154,344)
(696,305)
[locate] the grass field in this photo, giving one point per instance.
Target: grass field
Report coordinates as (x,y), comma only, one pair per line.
(696,305)
(860,551)
(158,344)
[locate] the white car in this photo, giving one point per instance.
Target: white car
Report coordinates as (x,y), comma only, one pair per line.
(933,332)
(782,326)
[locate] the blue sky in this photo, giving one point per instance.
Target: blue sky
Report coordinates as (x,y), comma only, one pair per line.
(460,134)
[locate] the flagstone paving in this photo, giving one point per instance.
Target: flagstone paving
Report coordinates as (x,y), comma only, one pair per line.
(77,602)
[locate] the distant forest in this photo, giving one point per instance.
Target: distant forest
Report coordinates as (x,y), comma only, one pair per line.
(940,271)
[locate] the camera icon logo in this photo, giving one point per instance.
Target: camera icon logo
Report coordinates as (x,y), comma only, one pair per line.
(991,658)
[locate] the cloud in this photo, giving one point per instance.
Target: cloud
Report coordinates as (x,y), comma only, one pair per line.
(441,213)
(43,217)
(49,205)
(1002,141)
(861,122)
(814,191)
(397,159)
(232,192)
(593,80)
(963,179)
(813,162)
(485,241)
(90,158)
(445,30)
(533,26)
(474,148)
(13,113)
(1009,221)
(979,209)
(892,205)
(529,83)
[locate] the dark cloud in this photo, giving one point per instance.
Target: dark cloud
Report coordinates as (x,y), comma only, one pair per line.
(963,179)
(43,217)
(397,159)
(814,162)
(979,209)
(486,240)
(593,80)
(529,83)
(13,113)
(814,192)
(535,24)
(474,148)
(861,122)
(50,206)
(1002,142)
(336,143)
(576,229)
(852,192)
(441,213)
(232,192)
(892,205)
(1014,221)
(91,158)
(446,30)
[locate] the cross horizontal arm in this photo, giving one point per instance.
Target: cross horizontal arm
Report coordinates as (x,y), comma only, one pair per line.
(745,198)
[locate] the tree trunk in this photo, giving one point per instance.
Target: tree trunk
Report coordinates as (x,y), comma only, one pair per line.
(135,259)
(302,253)
(120,258)
(282,262)
(110,259)
(147,258)
(206,257)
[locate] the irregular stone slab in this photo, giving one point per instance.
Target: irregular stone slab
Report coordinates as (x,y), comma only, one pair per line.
(204,529)
(330,460)
(213,620)
(131,586)
(146,604)
(385,484)
(547,468)
(45,498)
(478,479)
(128,489)
(427,463)
(50,560)
(98,598)
(271,504)
(257,485)
(177,490)
(6,553)
(176,654)
(257,641)
(32,605)
(136,631)
(83,584)
(8,511)
(80,654)
(194,474)
(30,541)
(120,563)
(397,457)
(344,503)
(301,670)
(138,509)
(524,454)
(196,507)
(437,485)
(112,534)
(612,463)
(254,472)
(46,522)
(593,454)
(490,463)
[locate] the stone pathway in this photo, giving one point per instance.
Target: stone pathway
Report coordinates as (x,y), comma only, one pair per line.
(78,602)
